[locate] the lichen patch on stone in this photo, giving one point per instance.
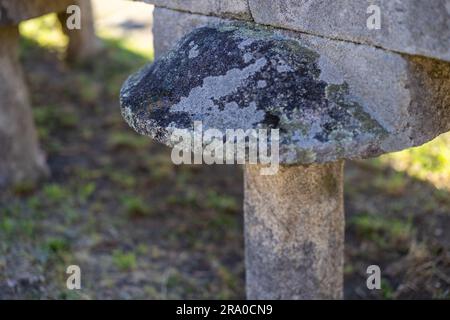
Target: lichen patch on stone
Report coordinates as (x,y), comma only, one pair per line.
(239,76)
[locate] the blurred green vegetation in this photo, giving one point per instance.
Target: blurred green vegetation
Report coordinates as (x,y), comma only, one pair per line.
(430,162)
(124,261)
(382,230)
(45,31)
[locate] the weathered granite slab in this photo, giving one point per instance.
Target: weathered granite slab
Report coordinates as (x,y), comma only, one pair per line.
(414,26)
(330,99)
(169,26)
(12,12)
(238,9)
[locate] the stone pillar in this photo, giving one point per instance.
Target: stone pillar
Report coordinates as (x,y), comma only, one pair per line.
(83,43)
(21,157)
(294,232)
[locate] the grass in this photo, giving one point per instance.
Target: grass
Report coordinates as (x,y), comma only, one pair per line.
(430,162)
(56,193)
(160,168)
(221,203)
(24,188)
(386,290)
(46,32)
(382,230)
(7,225)
(56,245)
(86,191)
(135,206)
(142,48)
(124,261)
(39,222)
(394,184)
(122,179)
(189,199)
(52,116)
(128,140)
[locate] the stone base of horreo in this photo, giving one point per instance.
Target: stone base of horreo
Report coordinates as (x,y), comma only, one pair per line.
(294,232)
(413,27)
(21,157)
(409,96)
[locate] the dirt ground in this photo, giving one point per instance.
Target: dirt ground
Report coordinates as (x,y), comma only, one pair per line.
(141,228)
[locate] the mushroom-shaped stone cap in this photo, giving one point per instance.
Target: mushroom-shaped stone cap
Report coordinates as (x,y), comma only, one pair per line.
(239,76)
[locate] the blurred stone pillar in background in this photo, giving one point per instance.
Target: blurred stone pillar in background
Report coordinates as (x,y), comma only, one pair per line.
(21,157)
(83,42)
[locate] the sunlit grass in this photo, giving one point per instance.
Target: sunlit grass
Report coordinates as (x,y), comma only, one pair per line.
(141,48)
(46,31)
(430,162)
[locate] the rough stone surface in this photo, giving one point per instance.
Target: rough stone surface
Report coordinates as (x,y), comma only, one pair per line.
(12,12)
(83,43)
(331,100)
(294,232)
(21,157)
(414,26)
(237,9)
(170,26)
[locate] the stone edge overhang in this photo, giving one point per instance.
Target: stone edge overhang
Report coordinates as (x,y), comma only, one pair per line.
(143,123)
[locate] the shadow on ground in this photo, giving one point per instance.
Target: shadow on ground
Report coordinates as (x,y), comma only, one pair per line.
(142,228)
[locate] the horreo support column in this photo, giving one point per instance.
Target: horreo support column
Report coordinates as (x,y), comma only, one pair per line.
(329,100)
(83,43)
(294,232)
(21,157)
